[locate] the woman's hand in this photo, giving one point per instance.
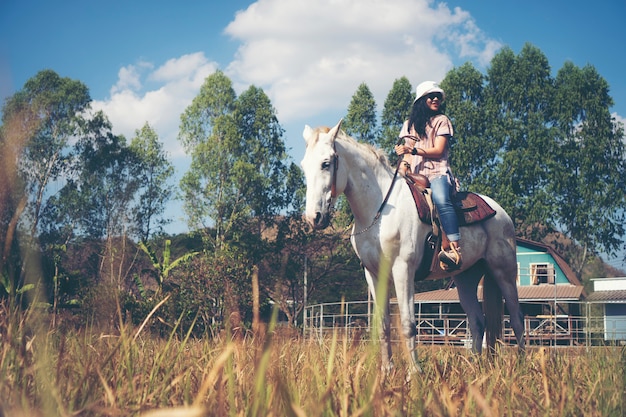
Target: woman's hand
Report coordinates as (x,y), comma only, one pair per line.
(402,149)
(404,168)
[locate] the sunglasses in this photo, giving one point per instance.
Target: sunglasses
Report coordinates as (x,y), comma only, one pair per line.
(433,96)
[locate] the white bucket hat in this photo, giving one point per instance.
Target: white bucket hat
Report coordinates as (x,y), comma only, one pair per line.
(427,87)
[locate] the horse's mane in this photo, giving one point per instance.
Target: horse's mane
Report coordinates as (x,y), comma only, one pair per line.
(365,147)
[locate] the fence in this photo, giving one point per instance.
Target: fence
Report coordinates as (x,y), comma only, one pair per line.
(354,319)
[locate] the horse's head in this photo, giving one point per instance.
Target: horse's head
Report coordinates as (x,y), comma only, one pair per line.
(320,165)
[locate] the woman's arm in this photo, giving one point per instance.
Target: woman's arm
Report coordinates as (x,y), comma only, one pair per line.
(437,151)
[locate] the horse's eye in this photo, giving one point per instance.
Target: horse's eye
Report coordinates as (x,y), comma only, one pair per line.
(325,165)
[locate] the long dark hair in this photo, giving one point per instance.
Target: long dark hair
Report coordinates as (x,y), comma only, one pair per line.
(421,115)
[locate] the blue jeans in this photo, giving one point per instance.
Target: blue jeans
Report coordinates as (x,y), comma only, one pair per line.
(441,189)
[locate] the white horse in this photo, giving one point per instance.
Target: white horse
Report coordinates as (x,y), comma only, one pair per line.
(389,238)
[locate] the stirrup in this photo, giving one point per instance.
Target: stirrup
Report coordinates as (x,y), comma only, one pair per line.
(450,260)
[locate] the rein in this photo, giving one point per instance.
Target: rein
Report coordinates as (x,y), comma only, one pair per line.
(382,205)
(333,187)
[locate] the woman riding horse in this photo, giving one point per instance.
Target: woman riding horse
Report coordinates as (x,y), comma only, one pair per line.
(425,151)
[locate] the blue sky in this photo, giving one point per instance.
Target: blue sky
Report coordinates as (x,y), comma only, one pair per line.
(146,60)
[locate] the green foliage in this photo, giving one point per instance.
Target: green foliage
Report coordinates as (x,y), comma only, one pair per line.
(39,123)
(545,148)
(295,190)
(238,168)
(474,153)
(360,121)
(395,112)
(590,162)
(209,288)
(208,134)
(58,105)
(7,286)
(164,266)
(518,95)
(106,190)
(260,170)
(154,172)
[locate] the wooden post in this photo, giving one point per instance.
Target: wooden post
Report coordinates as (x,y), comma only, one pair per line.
(256,316)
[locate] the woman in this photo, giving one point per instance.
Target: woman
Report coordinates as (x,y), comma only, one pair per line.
(425,151)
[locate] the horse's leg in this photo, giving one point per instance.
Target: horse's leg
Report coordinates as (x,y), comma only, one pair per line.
(467,286)
(516,315)
(508,286)
(503,269)
(405,291)
(381,306)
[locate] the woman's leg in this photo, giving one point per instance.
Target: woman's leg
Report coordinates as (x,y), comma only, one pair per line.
(440,187)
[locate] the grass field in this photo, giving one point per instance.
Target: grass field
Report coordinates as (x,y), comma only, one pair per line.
(127,372)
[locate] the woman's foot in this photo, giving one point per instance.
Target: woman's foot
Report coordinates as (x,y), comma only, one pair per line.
(450,260)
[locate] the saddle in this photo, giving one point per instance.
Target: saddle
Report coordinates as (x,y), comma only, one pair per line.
(470,208)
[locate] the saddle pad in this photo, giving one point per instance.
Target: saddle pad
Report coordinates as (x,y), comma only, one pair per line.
(470,207)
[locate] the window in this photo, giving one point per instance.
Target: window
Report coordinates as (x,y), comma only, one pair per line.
(541,273)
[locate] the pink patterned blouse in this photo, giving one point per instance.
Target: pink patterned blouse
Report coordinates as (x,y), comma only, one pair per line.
(439,125)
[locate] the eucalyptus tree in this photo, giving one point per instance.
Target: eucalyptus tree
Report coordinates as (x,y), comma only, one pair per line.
(56,106)
(211,197)
(154,174)
(546,148)
(209,134)
(16,129)
(237,182)
(517,98)
(261,168)
(589,180)
(99,201)
(39,123)
(474,153)
(238,169)
(360,121)
(395,111)
(99,204)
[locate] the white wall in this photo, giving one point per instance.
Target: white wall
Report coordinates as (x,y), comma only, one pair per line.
(609,284)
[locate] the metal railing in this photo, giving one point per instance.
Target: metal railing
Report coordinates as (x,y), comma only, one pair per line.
(355,319)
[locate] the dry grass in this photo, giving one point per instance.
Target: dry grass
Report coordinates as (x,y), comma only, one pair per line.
(129,373)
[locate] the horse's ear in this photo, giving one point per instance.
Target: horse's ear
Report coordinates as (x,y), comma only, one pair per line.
(333,132)
(307,133)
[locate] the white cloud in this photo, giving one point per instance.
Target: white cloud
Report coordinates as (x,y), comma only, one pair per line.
(129,77)
(158,96)
(185,68)
(310,57)
(171,88)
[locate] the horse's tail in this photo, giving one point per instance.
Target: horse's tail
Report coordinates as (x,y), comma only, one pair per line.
(493,309)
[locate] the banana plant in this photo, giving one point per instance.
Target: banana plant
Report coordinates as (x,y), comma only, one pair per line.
(165,265)
(7,286)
